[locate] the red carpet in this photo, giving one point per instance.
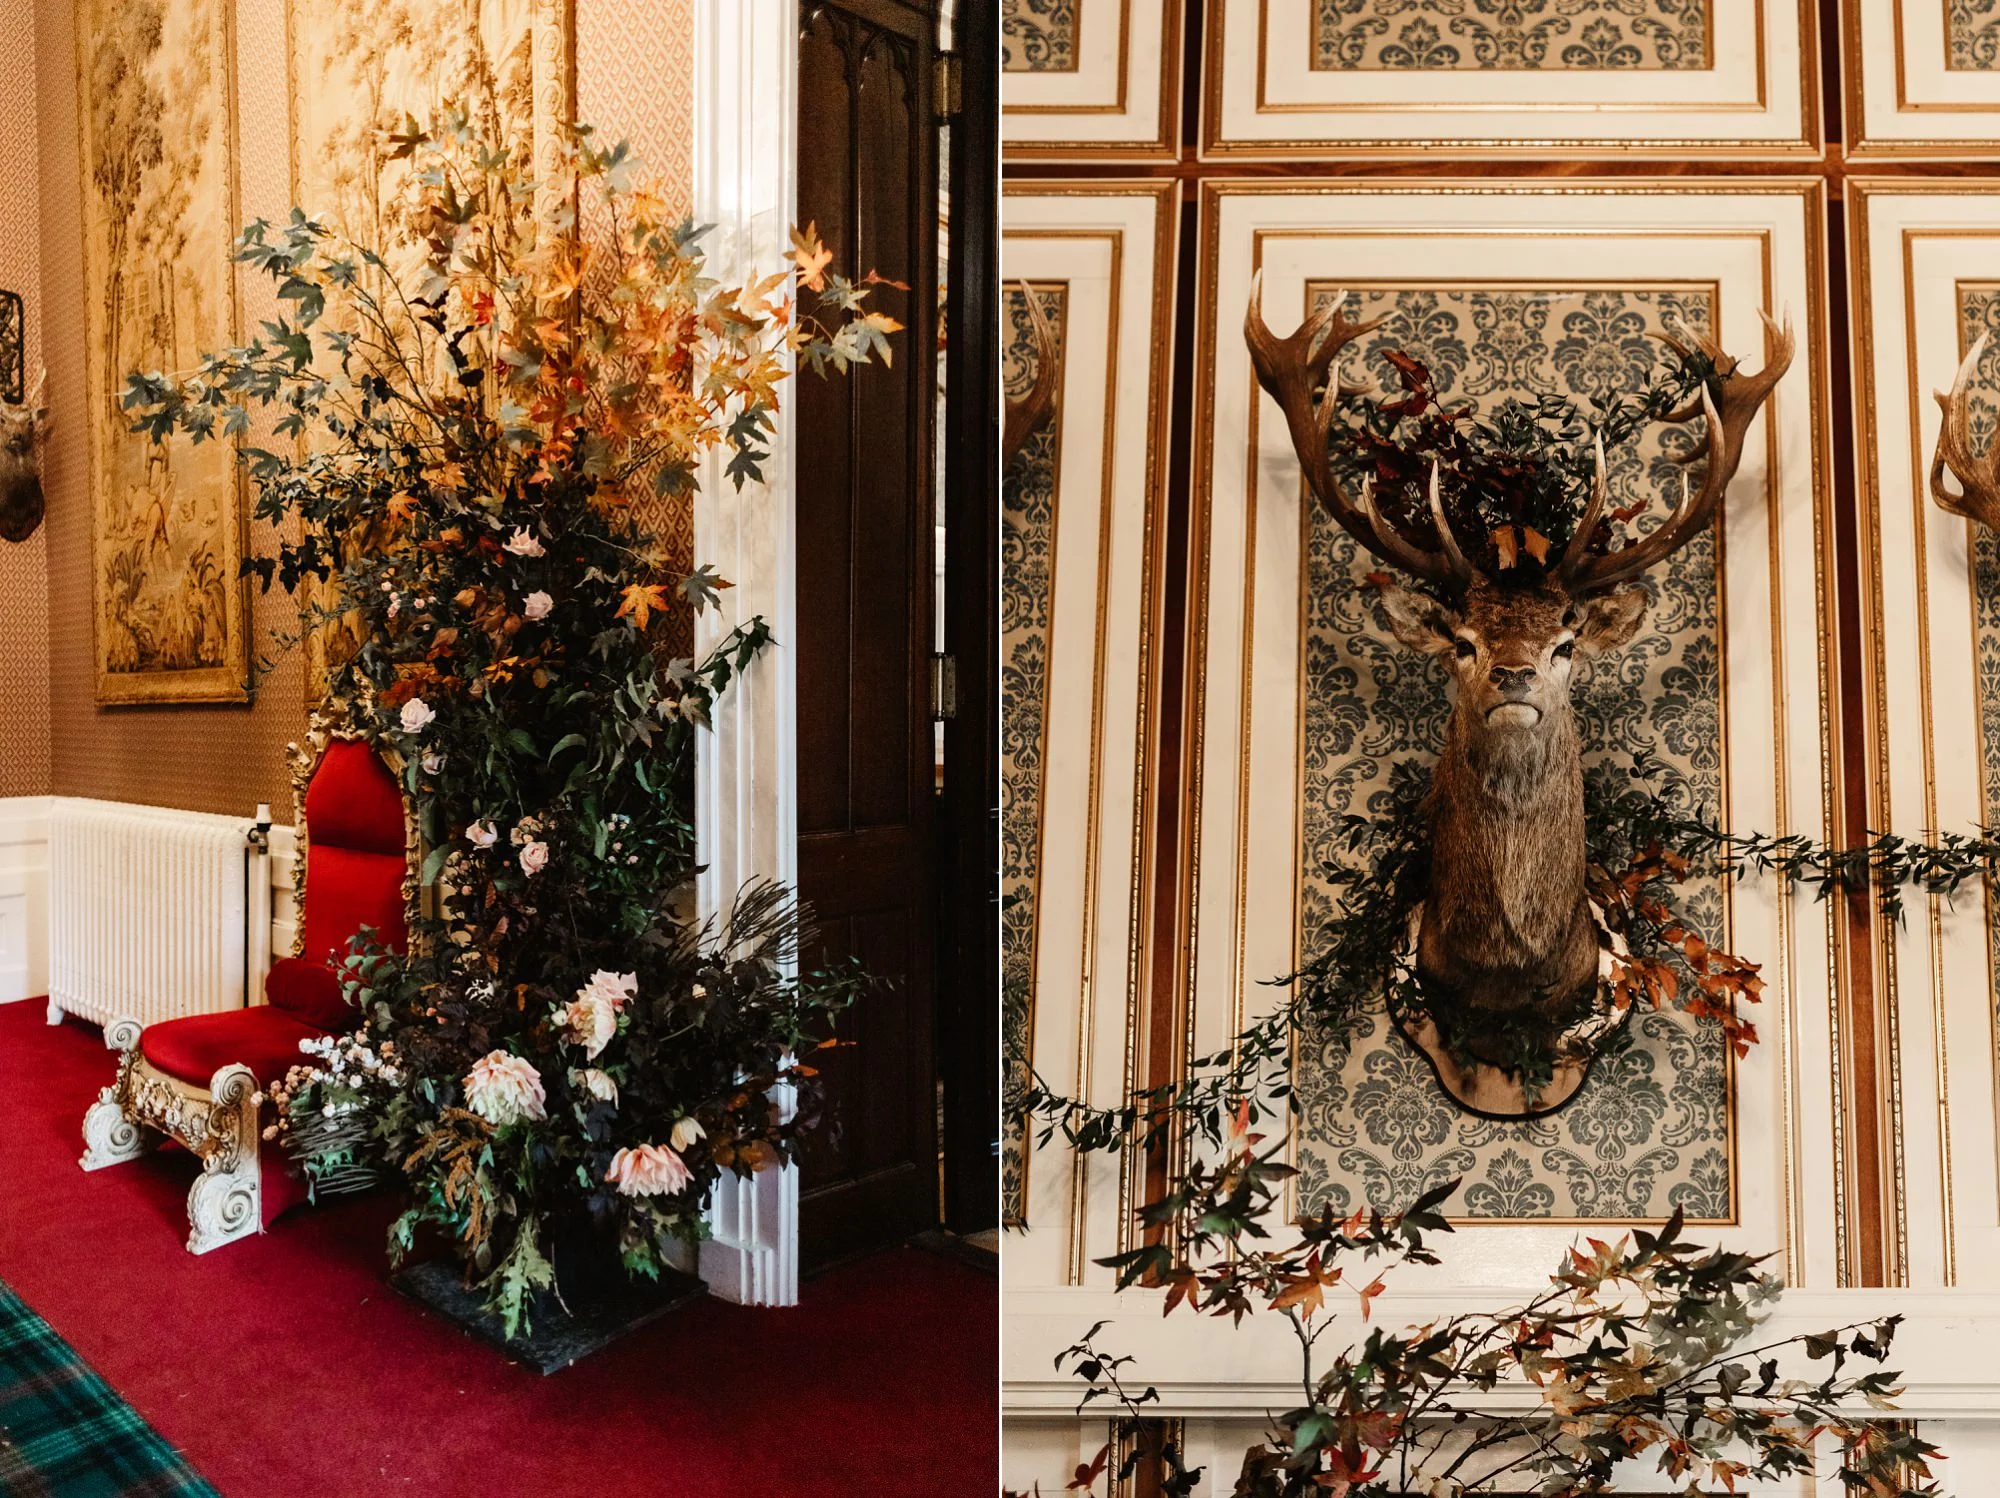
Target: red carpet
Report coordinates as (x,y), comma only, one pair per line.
(284,1365)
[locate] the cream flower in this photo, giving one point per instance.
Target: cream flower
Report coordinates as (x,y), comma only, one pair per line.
(417,715)
(534,857)
(616,989)
(649,1170)
(502,1089)
(523,543)
(591,1018)
(597,1084)
(537,605)
(433,762)
(482,834)
(590,1022)
(686,1131)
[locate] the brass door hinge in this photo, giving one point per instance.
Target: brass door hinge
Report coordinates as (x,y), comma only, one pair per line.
(944,688)
(948,85)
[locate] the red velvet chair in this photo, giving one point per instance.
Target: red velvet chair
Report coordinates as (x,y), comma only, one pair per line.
(197,1079)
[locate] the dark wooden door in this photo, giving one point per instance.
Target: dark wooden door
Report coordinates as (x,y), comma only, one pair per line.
(868,856)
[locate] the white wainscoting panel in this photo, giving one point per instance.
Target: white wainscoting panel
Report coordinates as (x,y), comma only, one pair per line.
(1080,646)
(24,898)
(1927,277)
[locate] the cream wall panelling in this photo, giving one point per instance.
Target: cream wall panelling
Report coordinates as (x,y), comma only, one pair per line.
(24,897)
(1117,98)
(1755,246)
(1263,96)
(1111,247)
(1922,80)
(1936,701)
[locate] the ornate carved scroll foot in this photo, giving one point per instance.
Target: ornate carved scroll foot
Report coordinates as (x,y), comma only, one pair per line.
(227,1202)
(109,1137)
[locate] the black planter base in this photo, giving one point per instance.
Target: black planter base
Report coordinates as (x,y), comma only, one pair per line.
(555,1339)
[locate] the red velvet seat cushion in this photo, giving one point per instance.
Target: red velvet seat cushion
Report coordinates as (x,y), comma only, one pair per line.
(309,993)
(193,1049)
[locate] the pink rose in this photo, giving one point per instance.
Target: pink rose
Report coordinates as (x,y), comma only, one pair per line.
(534,858)
(649,1170)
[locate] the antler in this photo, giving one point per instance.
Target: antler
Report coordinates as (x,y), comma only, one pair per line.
(1728,417)
(1292,370)
(1025,414)
(1978,477)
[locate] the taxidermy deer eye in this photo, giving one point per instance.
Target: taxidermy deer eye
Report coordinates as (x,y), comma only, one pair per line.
(1565,650)
(1466,649)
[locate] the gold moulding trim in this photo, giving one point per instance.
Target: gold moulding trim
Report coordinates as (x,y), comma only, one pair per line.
(1810,192)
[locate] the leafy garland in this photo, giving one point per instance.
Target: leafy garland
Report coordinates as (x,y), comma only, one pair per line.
(1647,829)
(1636,1347)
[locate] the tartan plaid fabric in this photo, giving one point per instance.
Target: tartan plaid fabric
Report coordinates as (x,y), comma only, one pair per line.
(65,1434)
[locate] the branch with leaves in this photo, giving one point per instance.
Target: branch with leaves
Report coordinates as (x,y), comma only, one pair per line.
(1642,1351)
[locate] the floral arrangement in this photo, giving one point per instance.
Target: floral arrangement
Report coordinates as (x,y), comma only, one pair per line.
(1635,1355)
(477,422)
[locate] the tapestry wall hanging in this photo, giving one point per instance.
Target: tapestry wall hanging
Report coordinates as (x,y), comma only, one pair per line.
(359,73)
(156,139)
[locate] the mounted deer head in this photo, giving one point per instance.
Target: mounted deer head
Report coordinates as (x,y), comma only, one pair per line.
(1027,413)
(22,429)
(1978,478)
(1507,929)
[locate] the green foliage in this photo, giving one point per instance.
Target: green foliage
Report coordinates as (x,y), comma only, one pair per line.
(1636,1357)
(462,425)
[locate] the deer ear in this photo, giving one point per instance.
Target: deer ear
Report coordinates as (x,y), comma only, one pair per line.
(1609,620)
(1418,620)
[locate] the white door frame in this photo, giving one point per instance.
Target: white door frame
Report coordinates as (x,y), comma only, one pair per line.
(746,780)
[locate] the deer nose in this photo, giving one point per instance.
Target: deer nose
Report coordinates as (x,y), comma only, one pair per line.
(1512,678)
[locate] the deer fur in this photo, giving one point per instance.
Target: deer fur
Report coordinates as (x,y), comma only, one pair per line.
(1507,925)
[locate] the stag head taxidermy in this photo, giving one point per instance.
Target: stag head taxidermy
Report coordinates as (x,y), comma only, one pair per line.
(1026,413)
(1508,950)
(22,429)
(1978,476)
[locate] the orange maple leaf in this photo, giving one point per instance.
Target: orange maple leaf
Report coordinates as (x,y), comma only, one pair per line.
(810,257)
(642,601)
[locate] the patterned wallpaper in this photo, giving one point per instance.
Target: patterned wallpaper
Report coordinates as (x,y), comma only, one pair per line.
(1979,312)
(1038,36)
(24,613)
(635,65)
(1534,35)
(1972,35)
(1651,1129)
(1027,573)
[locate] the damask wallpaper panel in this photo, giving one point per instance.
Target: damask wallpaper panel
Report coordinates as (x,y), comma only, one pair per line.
(1577,36)
(1922,77)
(1039,36)
(1090,79)
(1080,537)
(1663,78)
(1926,286)
(1303,700)
(1029,502)
(1652,1129)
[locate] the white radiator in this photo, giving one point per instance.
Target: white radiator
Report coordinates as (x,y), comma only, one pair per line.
(147,911)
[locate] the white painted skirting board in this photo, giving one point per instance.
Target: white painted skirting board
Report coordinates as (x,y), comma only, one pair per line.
(24,897)
(1204,1367)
